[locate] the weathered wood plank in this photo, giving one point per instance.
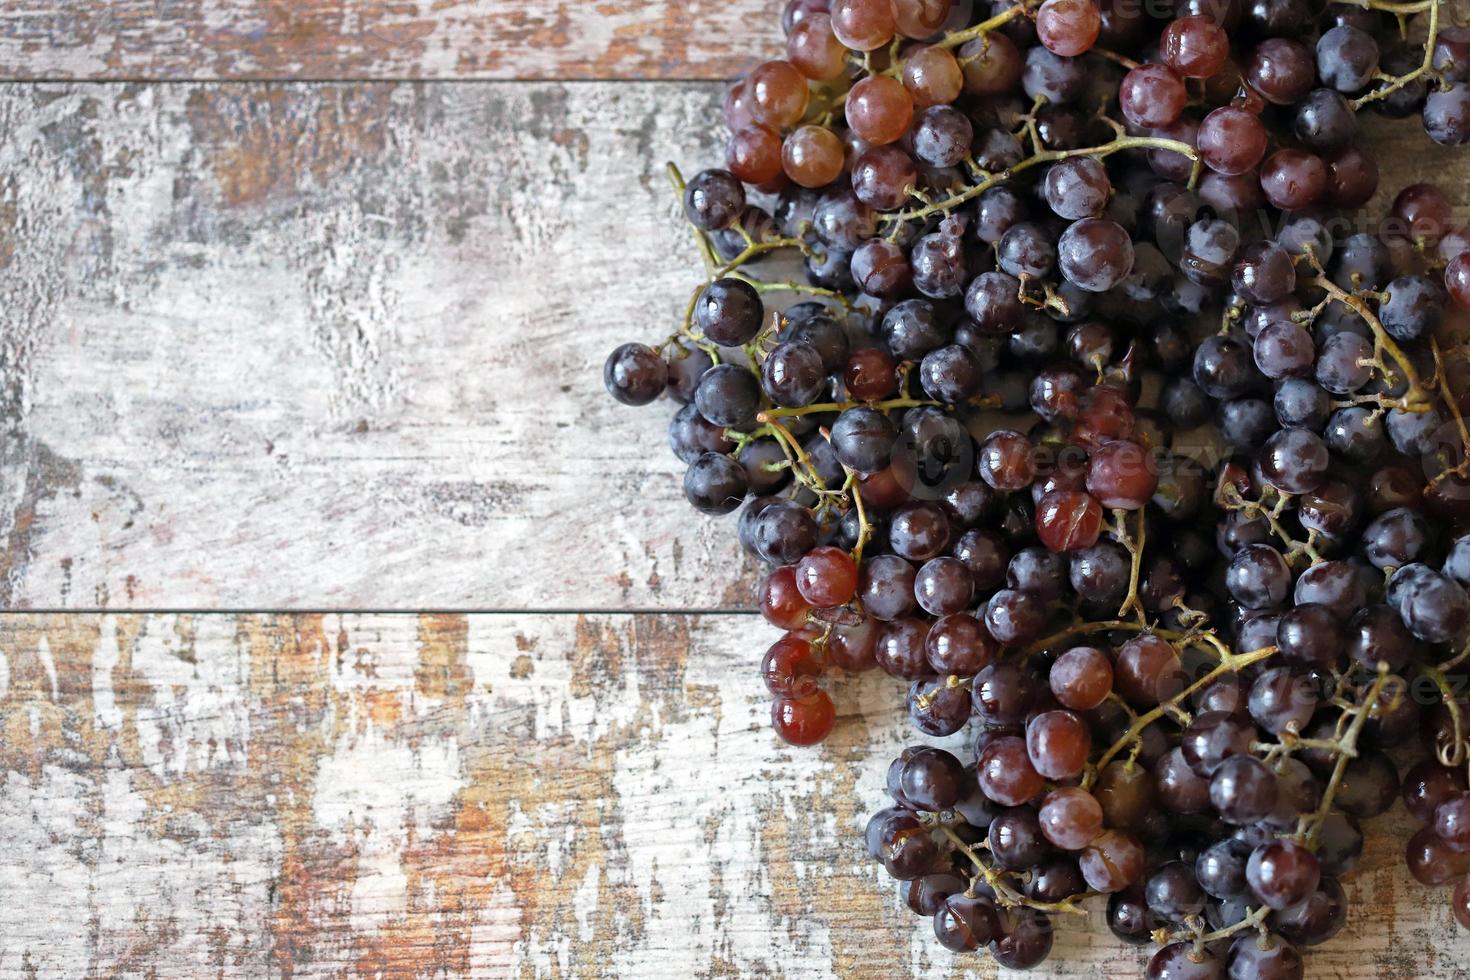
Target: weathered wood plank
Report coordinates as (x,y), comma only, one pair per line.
(341,39)
(339,346)
(527,796)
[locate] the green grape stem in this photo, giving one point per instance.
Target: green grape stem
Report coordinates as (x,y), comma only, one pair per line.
(1004,892)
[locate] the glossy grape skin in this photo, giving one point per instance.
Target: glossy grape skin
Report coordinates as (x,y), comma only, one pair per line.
(804,721)
(1095,254)
(1433,606)
(1243,790)
(1231,140)
(925,896)
(1282,71)
(1152,96)
(1112,862)
(1026,250)
(1431,862)
(1006,774)
(933,76)
(1005,461)
(863,438)
(1068,520)
(1148,671)
(1325,122)
(942,136)
(1294,461)
(715,484)
(790,667)
(1077,188)
(1220,868)
(1427,785)
(1412,308)
(729,312)
(1195,47)
(886,587)
(1014,618)
(1318,919)
(1211,738)
(1282,873)
(1081,678)
(879,109)
(1121,474)
(1178,788)
(778,94)
(1068,27)
(1026,939)
(713,199)
(863,25)
(1004,694)
(1129,917)
(1173,893)
(900,648)
(812,156)
(634,374)
(1058,743)
(964,923)
(814,49)
(1294,180)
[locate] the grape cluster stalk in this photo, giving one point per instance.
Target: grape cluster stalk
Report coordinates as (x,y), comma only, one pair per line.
(1104,417)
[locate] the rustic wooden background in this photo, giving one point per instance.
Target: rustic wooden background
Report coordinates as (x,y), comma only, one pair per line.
(350,629)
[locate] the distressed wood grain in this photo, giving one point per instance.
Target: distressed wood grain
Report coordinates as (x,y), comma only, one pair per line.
(373,39)
(491,795)
(339,346)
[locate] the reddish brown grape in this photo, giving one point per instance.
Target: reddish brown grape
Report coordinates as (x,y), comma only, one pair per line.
(959,644)
(781,601)
(1058,743)
(992,64)
(1195,47)
(1113,861)
(1152,96)
(1005,461)
(1005,772)
(1068,520)
(933,76)
(1148,671)
(1122,474)
(812,156)
(815,50)
(791,668)
(871,374)
(1294,180)
(778,94)
(853,648)
(1231,140)
(754,155)
(920,18)
(1081,678)
(804,721)
(879,109)
(1457,280)
(1070,817)
(827,576)
(863,25)
(1068,27)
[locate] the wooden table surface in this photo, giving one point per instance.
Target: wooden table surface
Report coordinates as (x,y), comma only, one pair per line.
(350,628)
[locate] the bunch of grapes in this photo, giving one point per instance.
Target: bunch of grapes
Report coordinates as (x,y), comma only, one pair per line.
(1105,420)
